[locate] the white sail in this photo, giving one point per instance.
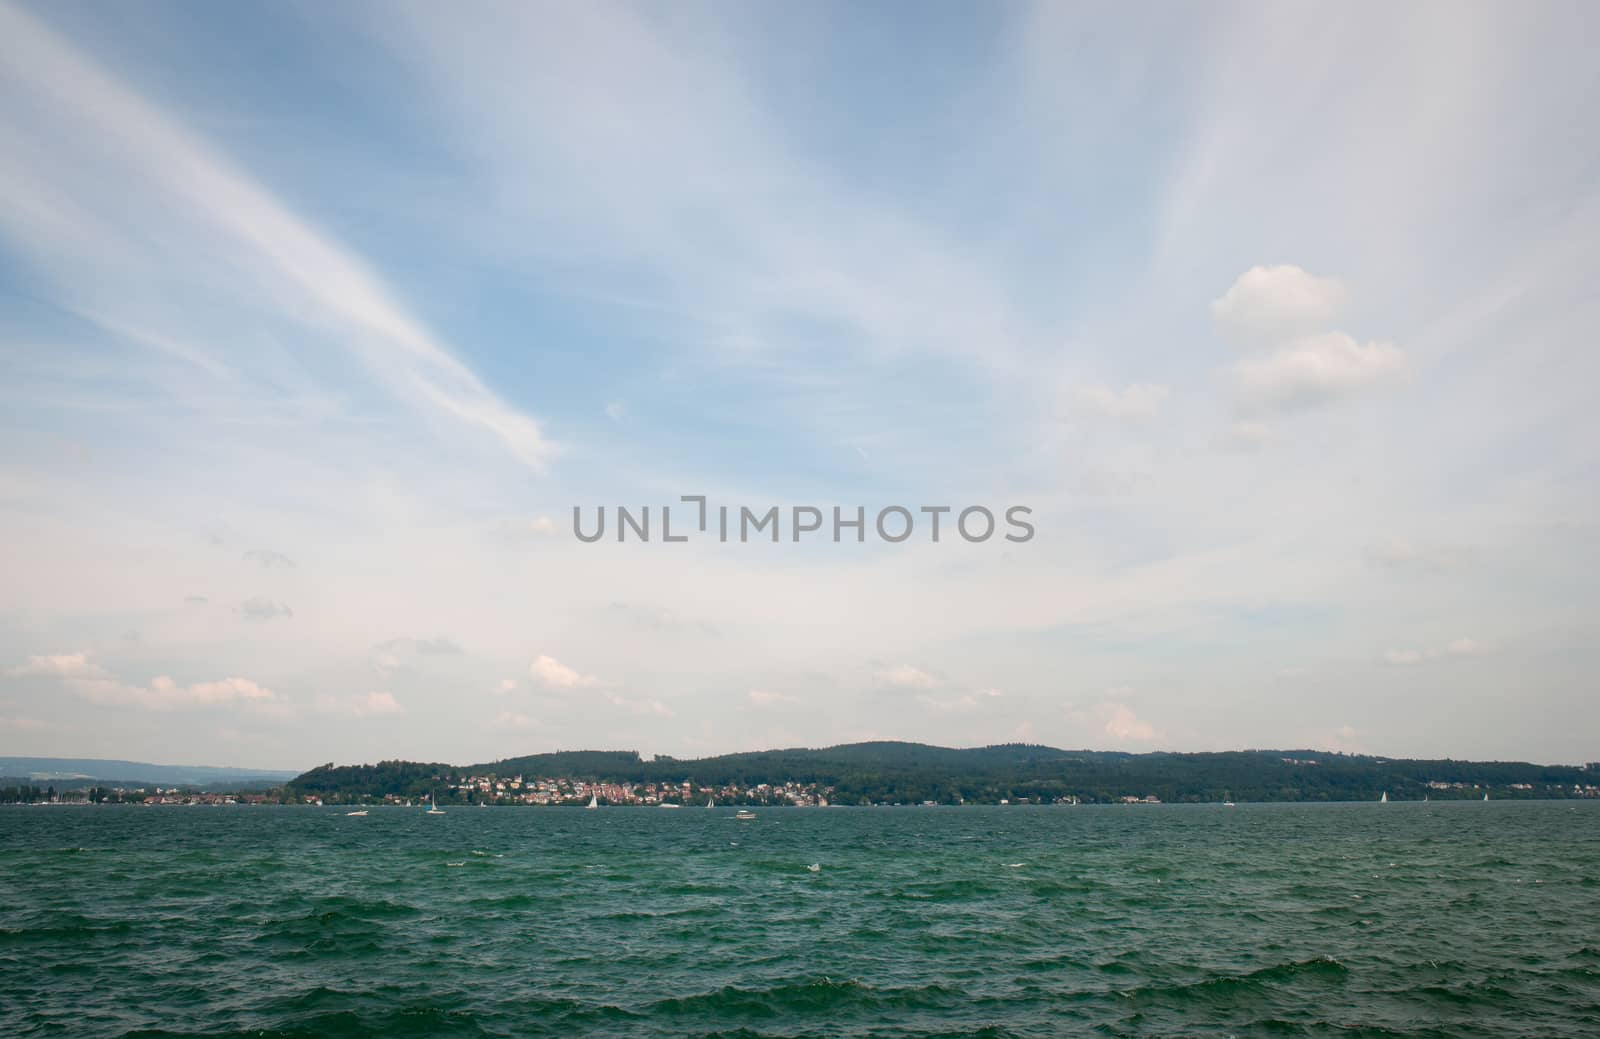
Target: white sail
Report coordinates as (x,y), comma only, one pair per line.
(1385,798)
(594,801)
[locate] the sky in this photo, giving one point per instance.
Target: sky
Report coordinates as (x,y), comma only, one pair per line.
(316,323)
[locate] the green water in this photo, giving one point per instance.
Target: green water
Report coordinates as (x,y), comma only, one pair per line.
(1460,919)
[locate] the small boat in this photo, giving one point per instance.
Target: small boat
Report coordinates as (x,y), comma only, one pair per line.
(744,813)
(711,802)
(361,812)
(433,807)
(594,801)
(668,804)
(1227,802)
(1486,797)
(1384,799)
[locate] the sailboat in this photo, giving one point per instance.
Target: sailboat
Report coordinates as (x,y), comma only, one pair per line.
(711,802)
(433,807)
(1385,798)
(1486,797)
(594,801)
(1227,802)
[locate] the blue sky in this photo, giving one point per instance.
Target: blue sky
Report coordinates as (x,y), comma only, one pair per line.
(315,324)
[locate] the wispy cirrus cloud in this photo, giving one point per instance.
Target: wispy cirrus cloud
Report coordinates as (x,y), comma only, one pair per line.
(228,210)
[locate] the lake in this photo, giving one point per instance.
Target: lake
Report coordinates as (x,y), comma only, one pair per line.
(1453,919)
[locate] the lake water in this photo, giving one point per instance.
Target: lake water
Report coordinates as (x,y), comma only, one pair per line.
(1458,919)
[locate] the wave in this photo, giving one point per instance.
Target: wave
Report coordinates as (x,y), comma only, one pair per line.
(813,996)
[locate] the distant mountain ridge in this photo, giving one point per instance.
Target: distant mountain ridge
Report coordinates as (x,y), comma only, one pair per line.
(912,772)
(111,771)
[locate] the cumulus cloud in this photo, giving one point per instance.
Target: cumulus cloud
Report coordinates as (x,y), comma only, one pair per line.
(260,608)
(59,665)
(269,559)
(1117,722)
(165,694)
(1284,314)
(553,674)
(1313,371)
(513,720)
(1269,304)
(904,676)
(1131,403)
(363,705)
(88,680)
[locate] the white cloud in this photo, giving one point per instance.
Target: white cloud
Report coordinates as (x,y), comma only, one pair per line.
(1131,403)
(164,694)
(1116,721)
(159,154)
(513,720)
(506,685)
(764,698)
(361,705)
(1466,648)
(1404,657)
(1269,304)
(904,676)
(553,674)
(92,682)
(20,724)
(59,665)
(1313,371)
(616,411)
(543,526)
(1125,726)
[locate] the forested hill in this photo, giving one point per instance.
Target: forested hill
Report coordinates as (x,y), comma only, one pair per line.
(912,772)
